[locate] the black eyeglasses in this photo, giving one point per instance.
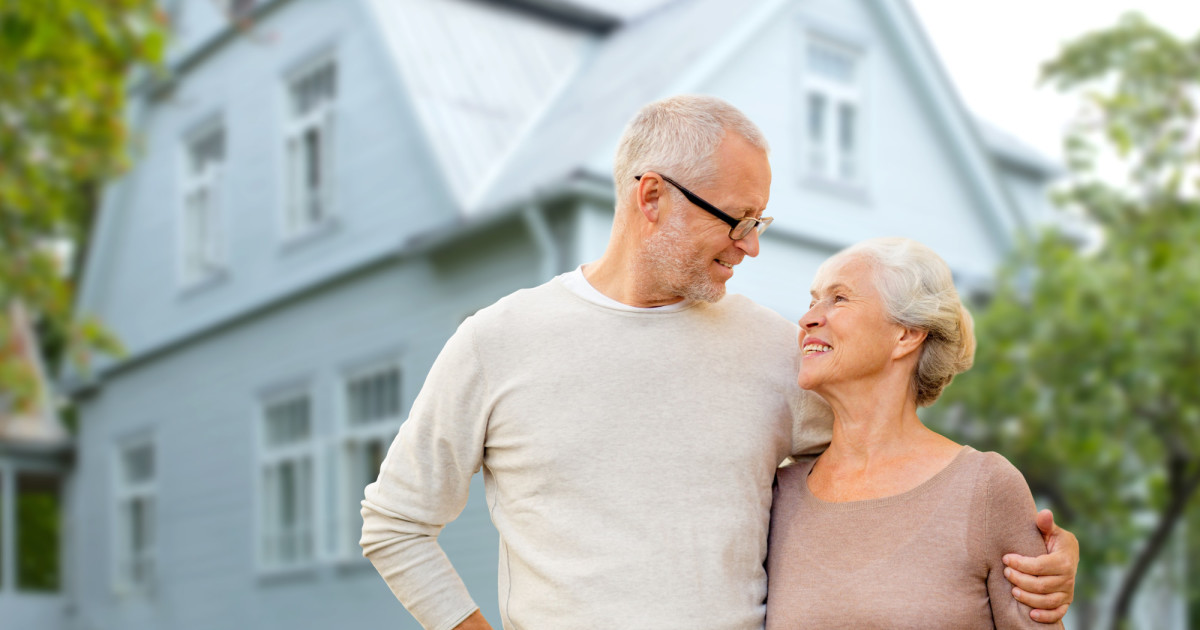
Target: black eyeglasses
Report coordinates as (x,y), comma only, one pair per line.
(738,228)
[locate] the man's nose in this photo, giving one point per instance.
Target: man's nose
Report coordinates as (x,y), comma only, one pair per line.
(748,243)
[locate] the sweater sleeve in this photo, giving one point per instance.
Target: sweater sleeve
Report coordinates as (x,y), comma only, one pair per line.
(1010,528)
(423,484)
(812,424)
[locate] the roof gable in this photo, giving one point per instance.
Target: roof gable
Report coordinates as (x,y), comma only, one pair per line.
(477,74)
(635,65)
(640,62)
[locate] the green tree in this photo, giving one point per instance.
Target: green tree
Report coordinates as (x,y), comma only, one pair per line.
(63,70)
(1089,354)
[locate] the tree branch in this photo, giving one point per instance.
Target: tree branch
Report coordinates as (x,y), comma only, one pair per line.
(1184,479)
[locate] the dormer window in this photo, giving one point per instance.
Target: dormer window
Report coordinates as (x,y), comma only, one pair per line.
(833,102)
(200,233)
(311,95)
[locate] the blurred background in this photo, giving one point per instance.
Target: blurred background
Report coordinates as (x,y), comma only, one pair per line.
(234,234)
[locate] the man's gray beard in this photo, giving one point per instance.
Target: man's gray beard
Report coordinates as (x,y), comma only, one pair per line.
(676,270)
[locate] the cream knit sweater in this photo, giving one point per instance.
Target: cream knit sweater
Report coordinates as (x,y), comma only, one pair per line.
(627,457)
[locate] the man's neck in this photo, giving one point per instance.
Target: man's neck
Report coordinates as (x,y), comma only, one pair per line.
(618,278)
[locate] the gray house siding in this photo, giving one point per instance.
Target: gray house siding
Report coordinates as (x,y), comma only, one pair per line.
(200,405)
(385,189)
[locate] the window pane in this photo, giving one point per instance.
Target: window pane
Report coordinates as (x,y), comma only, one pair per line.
(365,459)
(374,398)
(288,422)
(816,132)
(207,150)
(139,464)
(137,549)
(287,534)
(847,139)
(312,175)
(38,521)
(831,63)
(313,89)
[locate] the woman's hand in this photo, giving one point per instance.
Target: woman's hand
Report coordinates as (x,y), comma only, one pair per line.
(1047,582)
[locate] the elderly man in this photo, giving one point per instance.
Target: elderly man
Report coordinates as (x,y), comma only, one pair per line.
(628,416)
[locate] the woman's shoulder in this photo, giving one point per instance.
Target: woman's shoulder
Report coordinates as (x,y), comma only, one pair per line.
(998,473)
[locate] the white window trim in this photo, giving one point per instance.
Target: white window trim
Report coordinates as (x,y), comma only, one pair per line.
(293,229)
(123,492)
(836,94)
(212,180)
(272,456)
(344,520)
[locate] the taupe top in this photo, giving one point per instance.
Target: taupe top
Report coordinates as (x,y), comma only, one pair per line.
(926,558)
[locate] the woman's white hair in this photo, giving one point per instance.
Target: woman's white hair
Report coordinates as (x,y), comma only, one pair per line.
(918,292)
(678,137)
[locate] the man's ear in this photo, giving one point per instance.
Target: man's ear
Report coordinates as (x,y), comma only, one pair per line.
(649,192)
(910,339)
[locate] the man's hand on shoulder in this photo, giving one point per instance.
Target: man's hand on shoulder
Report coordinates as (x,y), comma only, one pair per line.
(474,622)
(1046,583)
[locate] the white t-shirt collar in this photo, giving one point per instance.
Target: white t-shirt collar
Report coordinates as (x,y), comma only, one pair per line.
(577,283)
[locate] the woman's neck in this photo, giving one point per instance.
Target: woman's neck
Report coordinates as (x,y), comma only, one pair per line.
(879,448)
(869,427)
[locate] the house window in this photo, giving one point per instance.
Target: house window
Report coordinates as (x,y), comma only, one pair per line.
(201,255)
(135,495)
(833,100)
(309,147)
(287,483)
(372,417)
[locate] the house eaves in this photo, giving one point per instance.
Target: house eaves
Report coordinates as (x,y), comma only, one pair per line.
(1017,155)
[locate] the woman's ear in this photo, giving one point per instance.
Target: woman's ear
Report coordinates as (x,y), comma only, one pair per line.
(910,339)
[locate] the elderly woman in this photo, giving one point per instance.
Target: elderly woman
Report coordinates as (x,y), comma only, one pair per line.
(894,526)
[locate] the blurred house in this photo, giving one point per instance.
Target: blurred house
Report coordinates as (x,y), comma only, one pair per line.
(325,189)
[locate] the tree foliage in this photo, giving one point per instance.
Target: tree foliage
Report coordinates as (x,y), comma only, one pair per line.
(63,70)
(1089,356)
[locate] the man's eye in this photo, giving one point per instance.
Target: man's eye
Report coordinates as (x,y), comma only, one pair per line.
(839,298)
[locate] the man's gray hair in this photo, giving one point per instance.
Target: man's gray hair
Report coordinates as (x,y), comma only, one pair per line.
(918,292)
(678,137)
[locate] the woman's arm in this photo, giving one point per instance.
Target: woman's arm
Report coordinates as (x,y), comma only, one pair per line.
(1010,528)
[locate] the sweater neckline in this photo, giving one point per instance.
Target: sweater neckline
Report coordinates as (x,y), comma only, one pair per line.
(559,284)
(863,504)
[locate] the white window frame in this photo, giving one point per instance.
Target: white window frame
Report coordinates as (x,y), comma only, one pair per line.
(201,233)
(127,581)
(380,431)
(271,459)
(299,219)
(837,95)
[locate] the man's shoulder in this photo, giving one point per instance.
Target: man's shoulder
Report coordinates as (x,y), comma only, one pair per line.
(762,317)
(523,306)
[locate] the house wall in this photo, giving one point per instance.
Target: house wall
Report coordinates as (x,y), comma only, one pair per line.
(200,406)
(385,187)
(914,185)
